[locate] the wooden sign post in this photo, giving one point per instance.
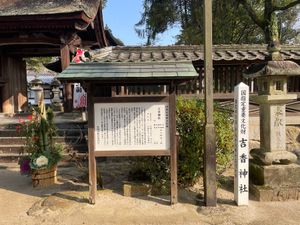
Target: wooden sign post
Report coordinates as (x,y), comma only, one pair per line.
(241,127)
(132,126)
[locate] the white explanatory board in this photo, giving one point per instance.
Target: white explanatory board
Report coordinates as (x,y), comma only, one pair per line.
(241,127)
(132,126)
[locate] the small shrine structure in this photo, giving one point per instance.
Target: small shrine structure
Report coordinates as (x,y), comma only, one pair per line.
(131,125)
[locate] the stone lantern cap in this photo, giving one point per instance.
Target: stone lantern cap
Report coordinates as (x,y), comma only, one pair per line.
(273,68)
(55,83)
(36,82)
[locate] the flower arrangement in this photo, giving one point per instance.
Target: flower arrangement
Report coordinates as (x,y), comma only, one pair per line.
(40,149)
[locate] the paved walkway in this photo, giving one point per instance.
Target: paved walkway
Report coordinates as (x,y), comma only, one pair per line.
(66,203)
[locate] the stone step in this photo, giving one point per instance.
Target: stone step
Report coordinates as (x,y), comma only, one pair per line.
(61,139)
(14,157)
(60,132)
(9,158)
(61,125)
(10,149)
(17,148)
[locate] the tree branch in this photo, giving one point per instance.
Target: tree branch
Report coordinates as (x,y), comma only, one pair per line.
(286,6)
(252,13)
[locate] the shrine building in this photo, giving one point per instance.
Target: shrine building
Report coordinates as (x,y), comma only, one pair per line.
(39,28)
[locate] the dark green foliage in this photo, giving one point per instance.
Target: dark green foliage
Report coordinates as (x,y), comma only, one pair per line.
(234,21)
(36,64)
(190,125)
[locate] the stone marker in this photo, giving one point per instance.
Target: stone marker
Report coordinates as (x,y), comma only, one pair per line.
(241,127)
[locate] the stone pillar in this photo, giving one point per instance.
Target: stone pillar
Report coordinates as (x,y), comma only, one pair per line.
(272,130)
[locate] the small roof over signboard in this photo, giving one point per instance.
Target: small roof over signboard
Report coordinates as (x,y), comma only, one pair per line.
(153,72)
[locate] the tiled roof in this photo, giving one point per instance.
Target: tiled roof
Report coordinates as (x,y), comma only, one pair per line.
(190,53)
(41,7)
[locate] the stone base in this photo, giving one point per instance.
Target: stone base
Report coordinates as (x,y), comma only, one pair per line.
(265,193)
(133,189)
(275,182)
(57,107)
(275,175)
(276,157)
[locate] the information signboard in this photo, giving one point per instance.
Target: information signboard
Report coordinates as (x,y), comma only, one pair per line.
(131,126)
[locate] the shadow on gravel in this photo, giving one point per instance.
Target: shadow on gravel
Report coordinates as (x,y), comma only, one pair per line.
(12,180)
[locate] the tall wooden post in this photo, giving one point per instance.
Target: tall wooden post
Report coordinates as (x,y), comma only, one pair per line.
(92,159)
(65,62)
(173,143)
(210,140)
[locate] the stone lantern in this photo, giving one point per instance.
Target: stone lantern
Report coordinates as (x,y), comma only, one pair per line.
(36,90)
(55,100)
(273,171)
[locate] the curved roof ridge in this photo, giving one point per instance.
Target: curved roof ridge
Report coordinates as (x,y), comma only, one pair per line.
(193,52)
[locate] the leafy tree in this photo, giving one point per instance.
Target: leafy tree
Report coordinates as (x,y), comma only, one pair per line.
(235,21)
(265,14)
(36,64)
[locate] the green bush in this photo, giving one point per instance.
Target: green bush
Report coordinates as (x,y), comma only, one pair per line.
(190,119)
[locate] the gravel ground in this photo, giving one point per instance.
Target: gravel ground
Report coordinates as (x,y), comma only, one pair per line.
(66,203)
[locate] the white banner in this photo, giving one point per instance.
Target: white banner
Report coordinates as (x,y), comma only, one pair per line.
(241,127)
(132,126)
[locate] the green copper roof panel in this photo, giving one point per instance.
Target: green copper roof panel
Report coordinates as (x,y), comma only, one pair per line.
(112,71)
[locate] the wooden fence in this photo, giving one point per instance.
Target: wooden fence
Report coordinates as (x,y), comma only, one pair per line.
(225,79)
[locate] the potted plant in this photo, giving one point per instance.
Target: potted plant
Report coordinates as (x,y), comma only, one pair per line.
(41,152)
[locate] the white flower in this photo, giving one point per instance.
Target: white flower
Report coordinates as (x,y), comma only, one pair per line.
(41,161)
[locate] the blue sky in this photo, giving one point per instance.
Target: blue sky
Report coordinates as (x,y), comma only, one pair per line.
(121,16)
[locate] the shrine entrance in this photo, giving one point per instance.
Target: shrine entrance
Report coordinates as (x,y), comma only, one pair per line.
(40,29)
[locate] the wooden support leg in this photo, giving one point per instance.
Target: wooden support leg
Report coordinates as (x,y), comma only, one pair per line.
(92,178)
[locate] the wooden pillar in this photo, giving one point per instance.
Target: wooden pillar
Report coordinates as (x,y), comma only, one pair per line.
(14,94)
(210,185)
(65,62)
(21,85)
(173,143)
(92,159)
(7,97)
